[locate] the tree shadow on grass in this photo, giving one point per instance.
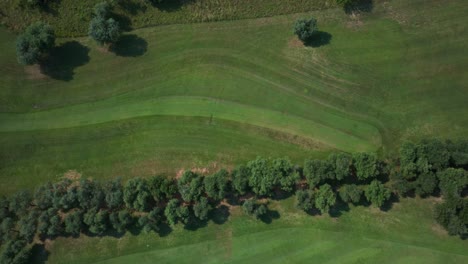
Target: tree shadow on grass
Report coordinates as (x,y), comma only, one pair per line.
(125,23)
(220,215)
(130,46)
(270,216)
(359,6)
(389,203)
(132,7)
(62,60)
(320,38)
(169,5)
(338,209)
(39,254)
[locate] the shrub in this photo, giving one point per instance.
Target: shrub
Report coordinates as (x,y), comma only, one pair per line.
(350,193)
(36,41)
(305,199)
(325,198)
(377,193)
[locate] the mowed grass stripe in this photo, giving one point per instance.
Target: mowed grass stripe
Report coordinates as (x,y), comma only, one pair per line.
(114,109)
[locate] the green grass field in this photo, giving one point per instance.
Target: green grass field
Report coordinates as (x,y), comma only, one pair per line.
(216,94)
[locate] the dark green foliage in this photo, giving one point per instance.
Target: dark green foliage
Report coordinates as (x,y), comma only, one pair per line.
(90,194)
(452,215)
(202,208)
(325,198)
(20,202)
(285,174)
(317,171)
(120,220)
(151,221)
(366,165)
(97,221)
(102,28)
(261,178)
(44,221)
(452,181)
(37,40)
(74,223)
(60,189)
(6,229)
(190,186)
(55,226)
(70,199)
(114,194)
(436,153)
(377,193)
(183,214)
(305,200)
(216,184)
(16,252)
(162,188)
(341,163)
(305,28)
(425,184)
(350,193)
(27,226)
(240,179)
(253,208)
(136,195)
(171,211)
(44,196)
(458,152)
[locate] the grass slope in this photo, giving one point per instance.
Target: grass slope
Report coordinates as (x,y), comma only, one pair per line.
(407,83)
(363,235)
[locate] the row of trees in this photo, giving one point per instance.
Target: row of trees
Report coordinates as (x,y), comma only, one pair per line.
(91,207)
(38,39)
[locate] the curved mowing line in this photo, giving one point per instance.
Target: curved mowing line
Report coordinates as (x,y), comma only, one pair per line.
(124,108)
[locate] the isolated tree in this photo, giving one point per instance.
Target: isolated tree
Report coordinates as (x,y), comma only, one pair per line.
(37,40)
(305,28)
(201,208)
(102,28)
(216,184)
(305,199)
(350,193)
(377,193)
(74,223)
(367,166)
(240,179)
(325,198)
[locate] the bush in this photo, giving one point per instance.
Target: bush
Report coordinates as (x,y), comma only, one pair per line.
(253,208)
(305,200)
(305,28)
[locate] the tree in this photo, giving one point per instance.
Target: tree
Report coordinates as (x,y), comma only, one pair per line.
(286,175)
(6,229)
(216,184)
(202,208)
(136,195)
(103,29)
(120,220)
(16,252)
(37,40)
(151,221)
(20,202)
(28,225)
(55,226)
(367,166)
(305,200)
(325,198)
(43,196)
(317,171)
(90,194)
(74,222)
(425,184)
(44,221)
(162,188)
(190,186)
(240,179)
(452,215)
(261,178)
(114,194)
(452,181)
(341,163)
(171,211)
(377,193)
(305,29)
(183,214)
(350,193)
(253,208)
(96,221)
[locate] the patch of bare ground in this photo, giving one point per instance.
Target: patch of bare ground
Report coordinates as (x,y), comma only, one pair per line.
(355,21)
(213,167)
(33,72)
(294,42)
(72,175)
(398,16)
(439,230)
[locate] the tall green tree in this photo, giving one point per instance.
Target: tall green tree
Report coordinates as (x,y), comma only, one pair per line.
(36,41)
(202,208)
(240,179)
(325,198)
(190,186)
(452,181)
(366,165)
(377,193)
(305,28)
(102,28)
(350,193)
(216,184)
